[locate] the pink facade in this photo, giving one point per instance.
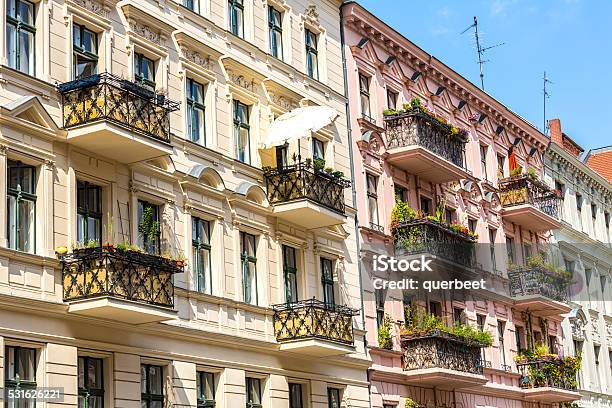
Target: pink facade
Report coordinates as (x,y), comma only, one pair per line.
(385,69)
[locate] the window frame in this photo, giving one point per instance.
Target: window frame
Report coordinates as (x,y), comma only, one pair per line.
(19,25)
(240,125)
(19,195)
(391,94)
(191,5)
(290,271)
(236,7)
(86,213)
(379,299)
(147,397)
(203,401)
(199,244)
(328,282)
(139,58)
(364,95)
(484,151)
(249,403)
(311,42)
(300,393)
(276,50)
(330,392)
(318,145)
(158,210)
(17,383)
(193,106)
(372,196)
(79,50)
(248,260)
(86,391)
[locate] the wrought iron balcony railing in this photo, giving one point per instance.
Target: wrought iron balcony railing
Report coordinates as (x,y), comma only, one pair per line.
(416,128)
(105,97)
(441,350)
(545,373)
(301,181)
(423,236)
(308,319)
(538,281)
(99,272)
(522,189)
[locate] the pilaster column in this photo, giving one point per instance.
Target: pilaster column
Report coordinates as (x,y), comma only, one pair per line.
(3,177)
(61,371)
(184,384)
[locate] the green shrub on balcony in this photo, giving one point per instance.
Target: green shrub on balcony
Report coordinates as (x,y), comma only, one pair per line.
(384,334)
(546,369)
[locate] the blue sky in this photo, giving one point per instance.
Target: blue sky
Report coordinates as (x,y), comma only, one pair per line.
(570,39)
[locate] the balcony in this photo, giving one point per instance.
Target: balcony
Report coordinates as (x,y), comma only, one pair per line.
(425,237)
(305,196)
(127,286)
(425,147)
(313,328)
(529,203)
(539,290)
(442,360)
(547,381)
(116,118)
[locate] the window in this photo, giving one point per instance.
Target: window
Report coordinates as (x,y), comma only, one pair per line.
(388,406)
(236,17)
(85,50)
(249,267)
(290,269)
(400,193)
(458,316)
(20,374)
(449,215)
(200,244)
(578,347)
(379,297)
(312,57)
(20,32)
(483,162)
(282,159)
(91,385)
(501,161)
(560,189)
(579,210)
(275,24)
(480,323)
(552,344)
(144,71)
(151,386)
(500,334)
(89,213)
(607,219)
(318,149)
(492,237)
(594,216)
(602,282)
(472,224)
(253,388)
(510,249)
(206,389)
(196,120)
(520,335)
(21,203)
(372,182)
(149,232)
(364,95)
(426,205)
(333,397)
(327,280)
(391,99)
(295,396)
(587,275)
(242,132)
(193,5)
(596,352)
(435,308)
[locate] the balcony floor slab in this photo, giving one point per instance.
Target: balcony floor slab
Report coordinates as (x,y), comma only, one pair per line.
(549,395)
(443,378)
(423,163)
(126,311)
(540,306)
(531,218)
(316,347)
(308,214)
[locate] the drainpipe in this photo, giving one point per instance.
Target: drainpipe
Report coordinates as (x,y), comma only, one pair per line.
(354,191)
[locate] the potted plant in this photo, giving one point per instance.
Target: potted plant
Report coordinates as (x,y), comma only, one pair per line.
(384,334)
(149,227)
(319,164)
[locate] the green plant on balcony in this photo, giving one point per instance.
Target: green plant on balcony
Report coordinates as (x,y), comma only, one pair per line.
(418,322)
(384,334)
(531,173)
(318,164)
(517,171)
(410,403)
(548,367)
(538,261)
(401,213)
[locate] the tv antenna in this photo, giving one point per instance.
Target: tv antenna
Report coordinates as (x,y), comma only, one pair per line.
(481,50)
(546,96)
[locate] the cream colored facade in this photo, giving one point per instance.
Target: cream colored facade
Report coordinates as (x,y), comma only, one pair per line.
(215,331)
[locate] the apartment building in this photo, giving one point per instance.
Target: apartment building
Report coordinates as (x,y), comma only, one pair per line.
(444,170)
(153,254)
(584,243)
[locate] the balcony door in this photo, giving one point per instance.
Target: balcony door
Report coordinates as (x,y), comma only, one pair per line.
(290,272)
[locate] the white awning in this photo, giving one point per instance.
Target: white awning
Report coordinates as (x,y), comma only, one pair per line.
(297,124)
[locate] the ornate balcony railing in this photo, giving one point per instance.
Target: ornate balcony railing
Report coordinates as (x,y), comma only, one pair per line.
(423,236)
(522,189)
(538,281)
(99,272)
(105,97)
(546,373)
(312,318)
(416,128)
(301,181)
(441,350)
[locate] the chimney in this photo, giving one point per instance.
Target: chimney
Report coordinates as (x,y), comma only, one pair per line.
(556,136)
